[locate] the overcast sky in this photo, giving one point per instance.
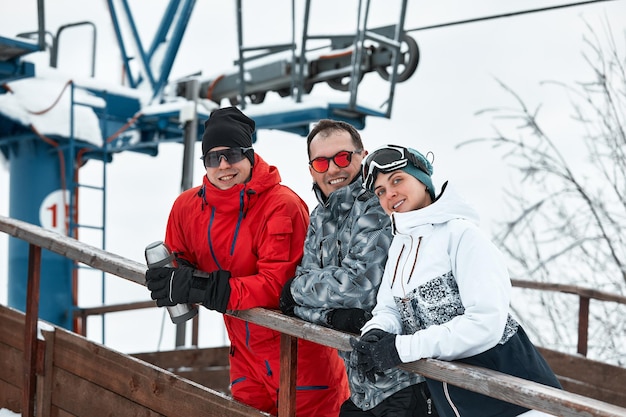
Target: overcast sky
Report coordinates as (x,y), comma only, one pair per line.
(434,110)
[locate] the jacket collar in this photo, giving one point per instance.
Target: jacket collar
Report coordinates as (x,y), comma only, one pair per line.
(349,193)
(448,205)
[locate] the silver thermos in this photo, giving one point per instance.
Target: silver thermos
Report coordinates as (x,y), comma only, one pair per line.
(158,255)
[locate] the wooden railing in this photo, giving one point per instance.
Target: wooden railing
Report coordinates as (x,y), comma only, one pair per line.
(584,297)
(494,384)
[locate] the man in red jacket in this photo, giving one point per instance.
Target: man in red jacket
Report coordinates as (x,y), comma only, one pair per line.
(238,238)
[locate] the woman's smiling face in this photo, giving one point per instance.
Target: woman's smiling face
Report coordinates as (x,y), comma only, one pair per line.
(400,192)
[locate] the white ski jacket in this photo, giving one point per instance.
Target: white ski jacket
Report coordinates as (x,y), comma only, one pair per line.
(446,289)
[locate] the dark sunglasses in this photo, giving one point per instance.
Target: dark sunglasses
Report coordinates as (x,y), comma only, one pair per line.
(231,155)
(342,159)
(388,159)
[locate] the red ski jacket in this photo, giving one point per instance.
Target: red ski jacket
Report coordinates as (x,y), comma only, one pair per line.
(256,231)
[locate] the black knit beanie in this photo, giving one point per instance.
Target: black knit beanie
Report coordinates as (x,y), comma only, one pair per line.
(228,127)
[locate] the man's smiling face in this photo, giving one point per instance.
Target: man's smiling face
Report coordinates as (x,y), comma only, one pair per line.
(328,146)
(229,174)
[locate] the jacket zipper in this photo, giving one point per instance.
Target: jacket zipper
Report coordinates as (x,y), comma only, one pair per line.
(429,401)
(417,251)
(395,271)
(239,220)
(210,241)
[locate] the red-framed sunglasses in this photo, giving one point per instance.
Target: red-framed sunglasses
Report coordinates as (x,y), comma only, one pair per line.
(342,159)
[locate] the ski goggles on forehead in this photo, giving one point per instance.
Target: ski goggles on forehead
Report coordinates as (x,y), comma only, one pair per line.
(231,155)
(342,159)
(388,159)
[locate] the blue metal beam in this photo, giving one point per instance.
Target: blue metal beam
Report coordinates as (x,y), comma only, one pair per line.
(11,66)
(14,70)
(140,50)
(11,48)
(164,27)
(174,44)
(120,42)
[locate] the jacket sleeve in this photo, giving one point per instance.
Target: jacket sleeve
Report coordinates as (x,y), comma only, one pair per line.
(175,233)
(354,280)
(484,288)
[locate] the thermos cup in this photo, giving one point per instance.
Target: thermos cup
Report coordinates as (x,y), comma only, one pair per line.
(158,255)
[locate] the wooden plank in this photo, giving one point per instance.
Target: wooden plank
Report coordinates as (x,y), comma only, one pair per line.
(11,370)
(601,381)
(56,412)
(208,367)
(10,397)
(514,390)
(12,332)
(570,289)
(81,397)
(74,249)
(11,359)
(187,358)
(301,329)
(145,384)
(593,372)
(612,396)
(114,308)
(215,378)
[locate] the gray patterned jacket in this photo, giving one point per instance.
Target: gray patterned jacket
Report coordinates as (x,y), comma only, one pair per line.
(345,252)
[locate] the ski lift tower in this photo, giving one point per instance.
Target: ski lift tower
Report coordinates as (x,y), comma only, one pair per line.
(44,161)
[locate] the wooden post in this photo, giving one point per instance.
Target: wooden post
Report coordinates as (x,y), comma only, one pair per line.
(30,331)
(45,374)
(583,325)
(82,322)
(195,327)
(288,374)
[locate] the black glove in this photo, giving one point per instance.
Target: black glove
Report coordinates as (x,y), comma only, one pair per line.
(348,319)
(171,286)
(376,356)
(286,303)
(183,262)
(373,335)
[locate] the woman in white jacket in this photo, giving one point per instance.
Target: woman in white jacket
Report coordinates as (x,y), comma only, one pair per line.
(445,292)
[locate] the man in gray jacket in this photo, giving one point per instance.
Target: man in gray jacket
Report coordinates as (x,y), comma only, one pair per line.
(345,252)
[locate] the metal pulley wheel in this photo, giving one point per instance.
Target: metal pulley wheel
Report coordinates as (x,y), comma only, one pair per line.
(410,56)
(342,83)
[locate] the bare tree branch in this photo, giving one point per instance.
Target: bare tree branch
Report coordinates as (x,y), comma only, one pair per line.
(572,230)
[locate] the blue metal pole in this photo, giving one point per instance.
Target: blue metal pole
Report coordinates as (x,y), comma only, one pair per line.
(172,47)
(36,196)
(120,42)
(164,27)
(140,50)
